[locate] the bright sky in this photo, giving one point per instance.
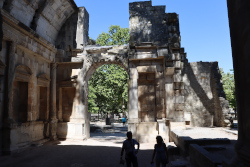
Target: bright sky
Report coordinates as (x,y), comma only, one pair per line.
(203,25)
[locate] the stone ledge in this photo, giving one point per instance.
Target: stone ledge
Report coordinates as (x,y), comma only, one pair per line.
(201,157)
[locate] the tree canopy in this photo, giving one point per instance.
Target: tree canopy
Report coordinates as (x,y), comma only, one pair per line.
(229,87)
(108,89)
(115,36)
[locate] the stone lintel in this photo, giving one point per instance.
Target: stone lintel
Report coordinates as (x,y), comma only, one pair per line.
(97,49)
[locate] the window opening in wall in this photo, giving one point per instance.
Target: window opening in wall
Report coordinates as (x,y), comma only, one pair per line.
(43,103)
(20,101)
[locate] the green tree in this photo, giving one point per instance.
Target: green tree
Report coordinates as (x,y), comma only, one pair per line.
(229,87)
(108,89)
(115,36)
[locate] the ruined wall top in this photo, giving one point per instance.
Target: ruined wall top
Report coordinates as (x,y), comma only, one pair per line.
(149,23)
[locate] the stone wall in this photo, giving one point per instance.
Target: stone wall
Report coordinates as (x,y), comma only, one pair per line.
(147,23)
(74,32)
(44,17)
(28,52)
(204,94)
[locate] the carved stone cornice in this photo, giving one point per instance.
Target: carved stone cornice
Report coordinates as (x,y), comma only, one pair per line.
(43,80)
(22,73)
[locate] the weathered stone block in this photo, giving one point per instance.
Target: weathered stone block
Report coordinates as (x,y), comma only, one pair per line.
(145,63)
(170,57)
(169,70)
(142,76)
(160,101)
(151,99)
(146,68)
(178,78)
(150,76)
(162,52)
(169,64)
(159,107)
(159,75)
(177,56)
(151,89)
(177,64)
(178,85)
(179,107)
(159,68)
(179,99)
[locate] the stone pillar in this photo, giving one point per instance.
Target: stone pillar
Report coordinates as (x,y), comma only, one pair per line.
(60,106)
(133,105)
(163,129)
(169,90)
(239,14)
(9,78)
(52,114)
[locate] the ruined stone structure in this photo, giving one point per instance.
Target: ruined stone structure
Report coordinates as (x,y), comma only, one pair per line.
(45,66)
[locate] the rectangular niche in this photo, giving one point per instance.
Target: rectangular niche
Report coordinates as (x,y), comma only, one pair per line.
(147,97)
(68,96)
(43,103)
(20,101)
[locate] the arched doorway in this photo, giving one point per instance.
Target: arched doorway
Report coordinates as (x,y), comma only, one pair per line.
(78,124)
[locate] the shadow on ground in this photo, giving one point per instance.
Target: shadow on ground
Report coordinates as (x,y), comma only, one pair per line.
(52,154)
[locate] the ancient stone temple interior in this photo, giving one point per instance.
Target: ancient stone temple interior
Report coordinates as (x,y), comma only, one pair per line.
(46,62)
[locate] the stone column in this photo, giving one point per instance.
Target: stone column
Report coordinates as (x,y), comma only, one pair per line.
(239,14)
(60,106)
(163,129)
(133,105)
(9,78)
(169,91)
(52,114)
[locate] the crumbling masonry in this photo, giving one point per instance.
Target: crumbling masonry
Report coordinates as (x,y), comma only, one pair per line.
(45,65)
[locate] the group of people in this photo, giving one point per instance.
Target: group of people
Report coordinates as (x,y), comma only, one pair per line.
(160,152)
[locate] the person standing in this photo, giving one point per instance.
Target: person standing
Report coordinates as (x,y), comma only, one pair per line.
(129,147)
(123,120)
(161,153)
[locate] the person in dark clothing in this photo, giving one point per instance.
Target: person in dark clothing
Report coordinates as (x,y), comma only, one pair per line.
(161,153)
(129,147)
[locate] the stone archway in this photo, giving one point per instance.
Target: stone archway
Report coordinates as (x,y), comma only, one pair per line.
(92,58)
